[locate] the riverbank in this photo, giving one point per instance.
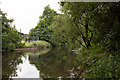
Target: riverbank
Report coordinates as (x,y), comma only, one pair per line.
(33,46)
(30,47)
(26,49)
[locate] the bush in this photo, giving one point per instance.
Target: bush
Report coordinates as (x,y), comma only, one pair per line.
(20,44)
(11,46)
(40,44)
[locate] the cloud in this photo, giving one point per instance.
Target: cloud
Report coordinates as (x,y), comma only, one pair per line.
(26,12)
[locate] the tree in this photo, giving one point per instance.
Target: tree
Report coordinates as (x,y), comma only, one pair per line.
(97,23)
(107,27)
(10,36)
(42,30)
(81,14)
(59,35)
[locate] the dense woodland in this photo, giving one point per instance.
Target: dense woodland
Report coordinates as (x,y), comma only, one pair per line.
(92,27)
(82,25)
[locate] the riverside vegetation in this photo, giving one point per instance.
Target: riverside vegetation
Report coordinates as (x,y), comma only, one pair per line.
(93,28)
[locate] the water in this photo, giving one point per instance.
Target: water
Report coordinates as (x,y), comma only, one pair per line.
(54,63)
(26,70)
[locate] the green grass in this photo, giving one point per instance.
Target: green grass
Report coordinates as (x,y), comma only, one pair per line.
(40,44)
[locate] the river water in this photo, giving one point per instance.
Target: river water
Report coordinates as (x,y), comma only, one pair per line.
(47,63)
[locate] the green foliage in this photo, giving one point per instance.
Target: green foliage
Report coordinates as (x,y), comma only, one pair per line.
(107,27)
(105,67)
(94,28)
(81,24)
(96,23)
(61,28)
(42,31)
(10,36)
(39,44)
(81,16)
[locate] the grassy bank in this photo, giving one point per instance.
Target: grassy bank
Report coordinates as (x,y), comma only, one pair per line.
(39,44)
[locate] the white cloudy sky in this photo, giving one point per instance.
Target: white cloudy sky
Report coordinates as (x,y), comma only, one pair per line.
(26,12)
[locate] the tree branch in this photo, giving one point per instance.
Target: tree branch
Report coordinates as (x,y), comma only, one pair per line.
(79,41)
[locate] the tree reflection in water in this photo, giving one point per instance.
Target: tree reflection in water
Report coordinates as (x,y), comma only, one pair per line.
(9,64)
(52,63)
(58,63)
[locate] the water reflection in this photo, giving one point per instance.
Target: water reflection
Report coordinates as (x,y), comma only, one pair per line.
(9,64)
(26,70)
(57,63)
(52,63)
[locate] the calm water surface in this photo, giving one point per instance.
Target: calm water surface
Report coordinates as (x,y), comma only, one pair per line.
(48,63)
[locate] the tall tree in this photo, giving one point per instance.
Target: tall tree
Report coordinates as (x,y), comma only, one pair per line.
(97,23)
(81,14)
(107,26)
(10,36)
(42,30)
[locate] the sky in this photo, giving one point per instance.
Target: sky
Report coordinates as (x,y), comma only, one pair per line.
(26,12)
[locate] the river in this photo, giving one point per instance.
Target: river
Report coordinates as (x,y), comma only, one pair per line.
(47,63)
